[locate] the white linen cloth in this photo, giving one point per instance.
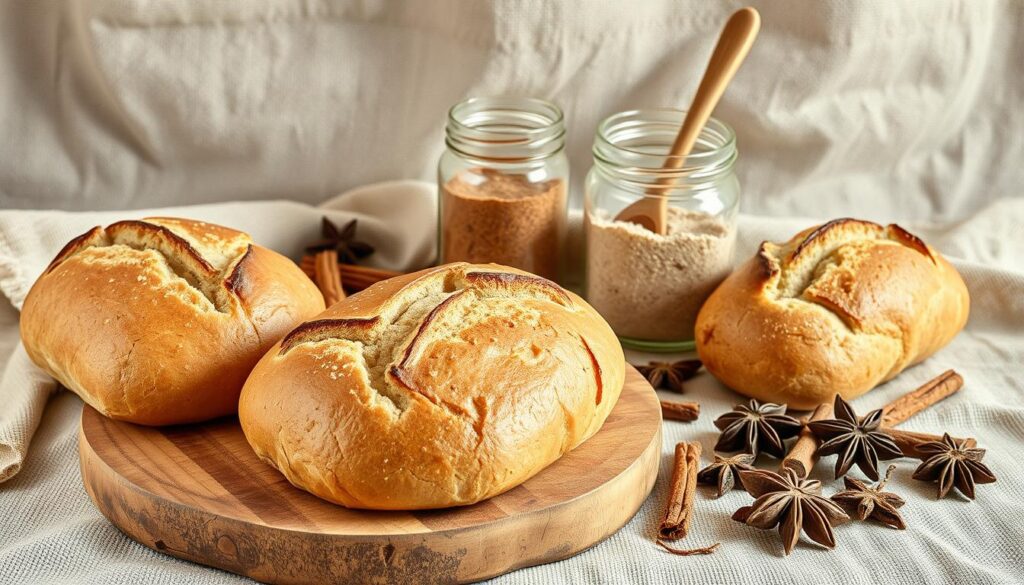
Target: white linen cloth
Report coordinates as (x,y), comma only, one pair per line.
(51,533)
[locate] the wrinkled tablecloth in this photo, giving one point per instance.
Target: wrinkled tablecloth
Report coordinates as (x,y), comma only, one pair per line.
(50,532)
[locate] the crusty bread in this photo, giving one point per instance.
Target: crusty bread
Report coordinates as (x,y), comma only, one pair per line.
(839,308)
(160,321)
(434,389)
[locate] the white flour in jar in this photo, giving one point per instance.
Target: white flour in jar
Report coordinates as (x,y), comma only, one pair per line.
(649,286)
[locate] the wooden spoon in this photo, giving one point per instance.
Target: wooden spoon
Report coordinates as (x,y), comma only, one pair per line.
(733,45)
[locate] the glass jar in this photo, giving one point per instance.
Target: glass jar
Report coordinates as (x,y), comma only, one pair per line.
(649,286)
(502,184)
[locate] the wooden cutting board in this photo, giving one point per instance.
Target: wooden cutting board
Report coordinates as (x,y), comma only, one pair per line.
(199,493)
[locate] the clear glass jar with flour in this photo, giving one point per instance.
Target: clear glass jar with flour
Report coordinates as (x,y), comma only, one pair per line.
(502,184)
(650,286)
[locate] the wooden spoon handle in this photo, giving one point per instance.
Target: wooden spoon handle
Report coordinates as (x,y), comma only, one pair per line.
(733,45)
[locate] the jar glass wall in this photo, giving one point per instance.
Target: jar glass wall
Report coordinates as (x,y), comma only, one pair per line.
(502,184)
(649,286)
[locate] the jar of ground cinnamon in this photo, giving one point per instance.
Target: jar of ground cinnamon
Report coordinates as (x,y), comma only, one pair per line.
(502,182)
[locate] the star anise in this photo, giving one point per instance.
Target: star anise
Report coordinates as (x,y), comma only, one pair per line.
(725,471)
(670,375)
(953,465)
(855,439)
(756,427)
(791,503)
(863,501)
(343,240)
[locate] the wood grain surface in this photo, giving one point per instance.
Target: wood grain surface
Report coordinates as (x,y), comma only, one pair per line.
(199,493)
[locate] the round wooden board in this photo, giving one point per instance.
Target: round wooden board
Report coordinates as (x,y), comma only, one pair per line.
(199,493)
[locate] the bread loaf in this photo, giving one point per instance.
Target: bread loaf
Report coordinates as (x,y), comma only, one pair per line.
(160,321)
(839,308)
(434,389)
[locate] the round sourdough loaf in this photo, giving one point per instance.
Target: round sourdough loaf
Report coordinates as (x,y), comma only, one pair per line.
(439,388)
(160,321)
(839,308)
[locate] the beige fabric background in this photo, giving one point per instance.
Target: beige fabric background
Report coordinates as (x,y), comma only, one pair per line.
(885,110)
(876,108)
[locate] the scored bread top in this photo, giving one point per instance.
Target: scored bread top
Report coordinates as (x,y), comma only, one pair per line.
(206,257)
(159,320)
(434,389)
(843,265)
(836,309)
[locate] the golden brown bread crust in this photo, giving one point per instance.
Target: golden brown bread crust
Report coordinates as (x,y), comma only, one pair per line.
(160,321)
(839,308)
(434,389)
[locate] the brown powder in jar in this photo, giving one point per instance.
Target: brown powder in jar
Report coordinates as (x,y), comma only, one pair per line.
(488,216)
(649,286)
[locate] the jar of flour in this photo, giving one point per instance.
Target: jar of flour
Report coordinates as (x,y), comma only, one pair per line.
(649,286)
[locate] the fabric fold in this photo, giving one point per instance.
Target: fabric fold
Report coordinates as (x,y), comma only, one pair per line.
(24,390)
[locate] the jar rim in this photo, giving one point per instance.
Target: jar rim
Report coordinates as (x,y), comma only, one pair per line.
(505,128)
(460,114)
(613,133)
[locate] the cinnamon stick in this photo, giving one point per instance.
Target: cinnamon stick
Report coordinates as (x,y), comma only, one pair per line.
(682,489)
(681,411)
(804,453)
(942,386)
(909,441)
(354,277)
(328,276)
(378,273)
